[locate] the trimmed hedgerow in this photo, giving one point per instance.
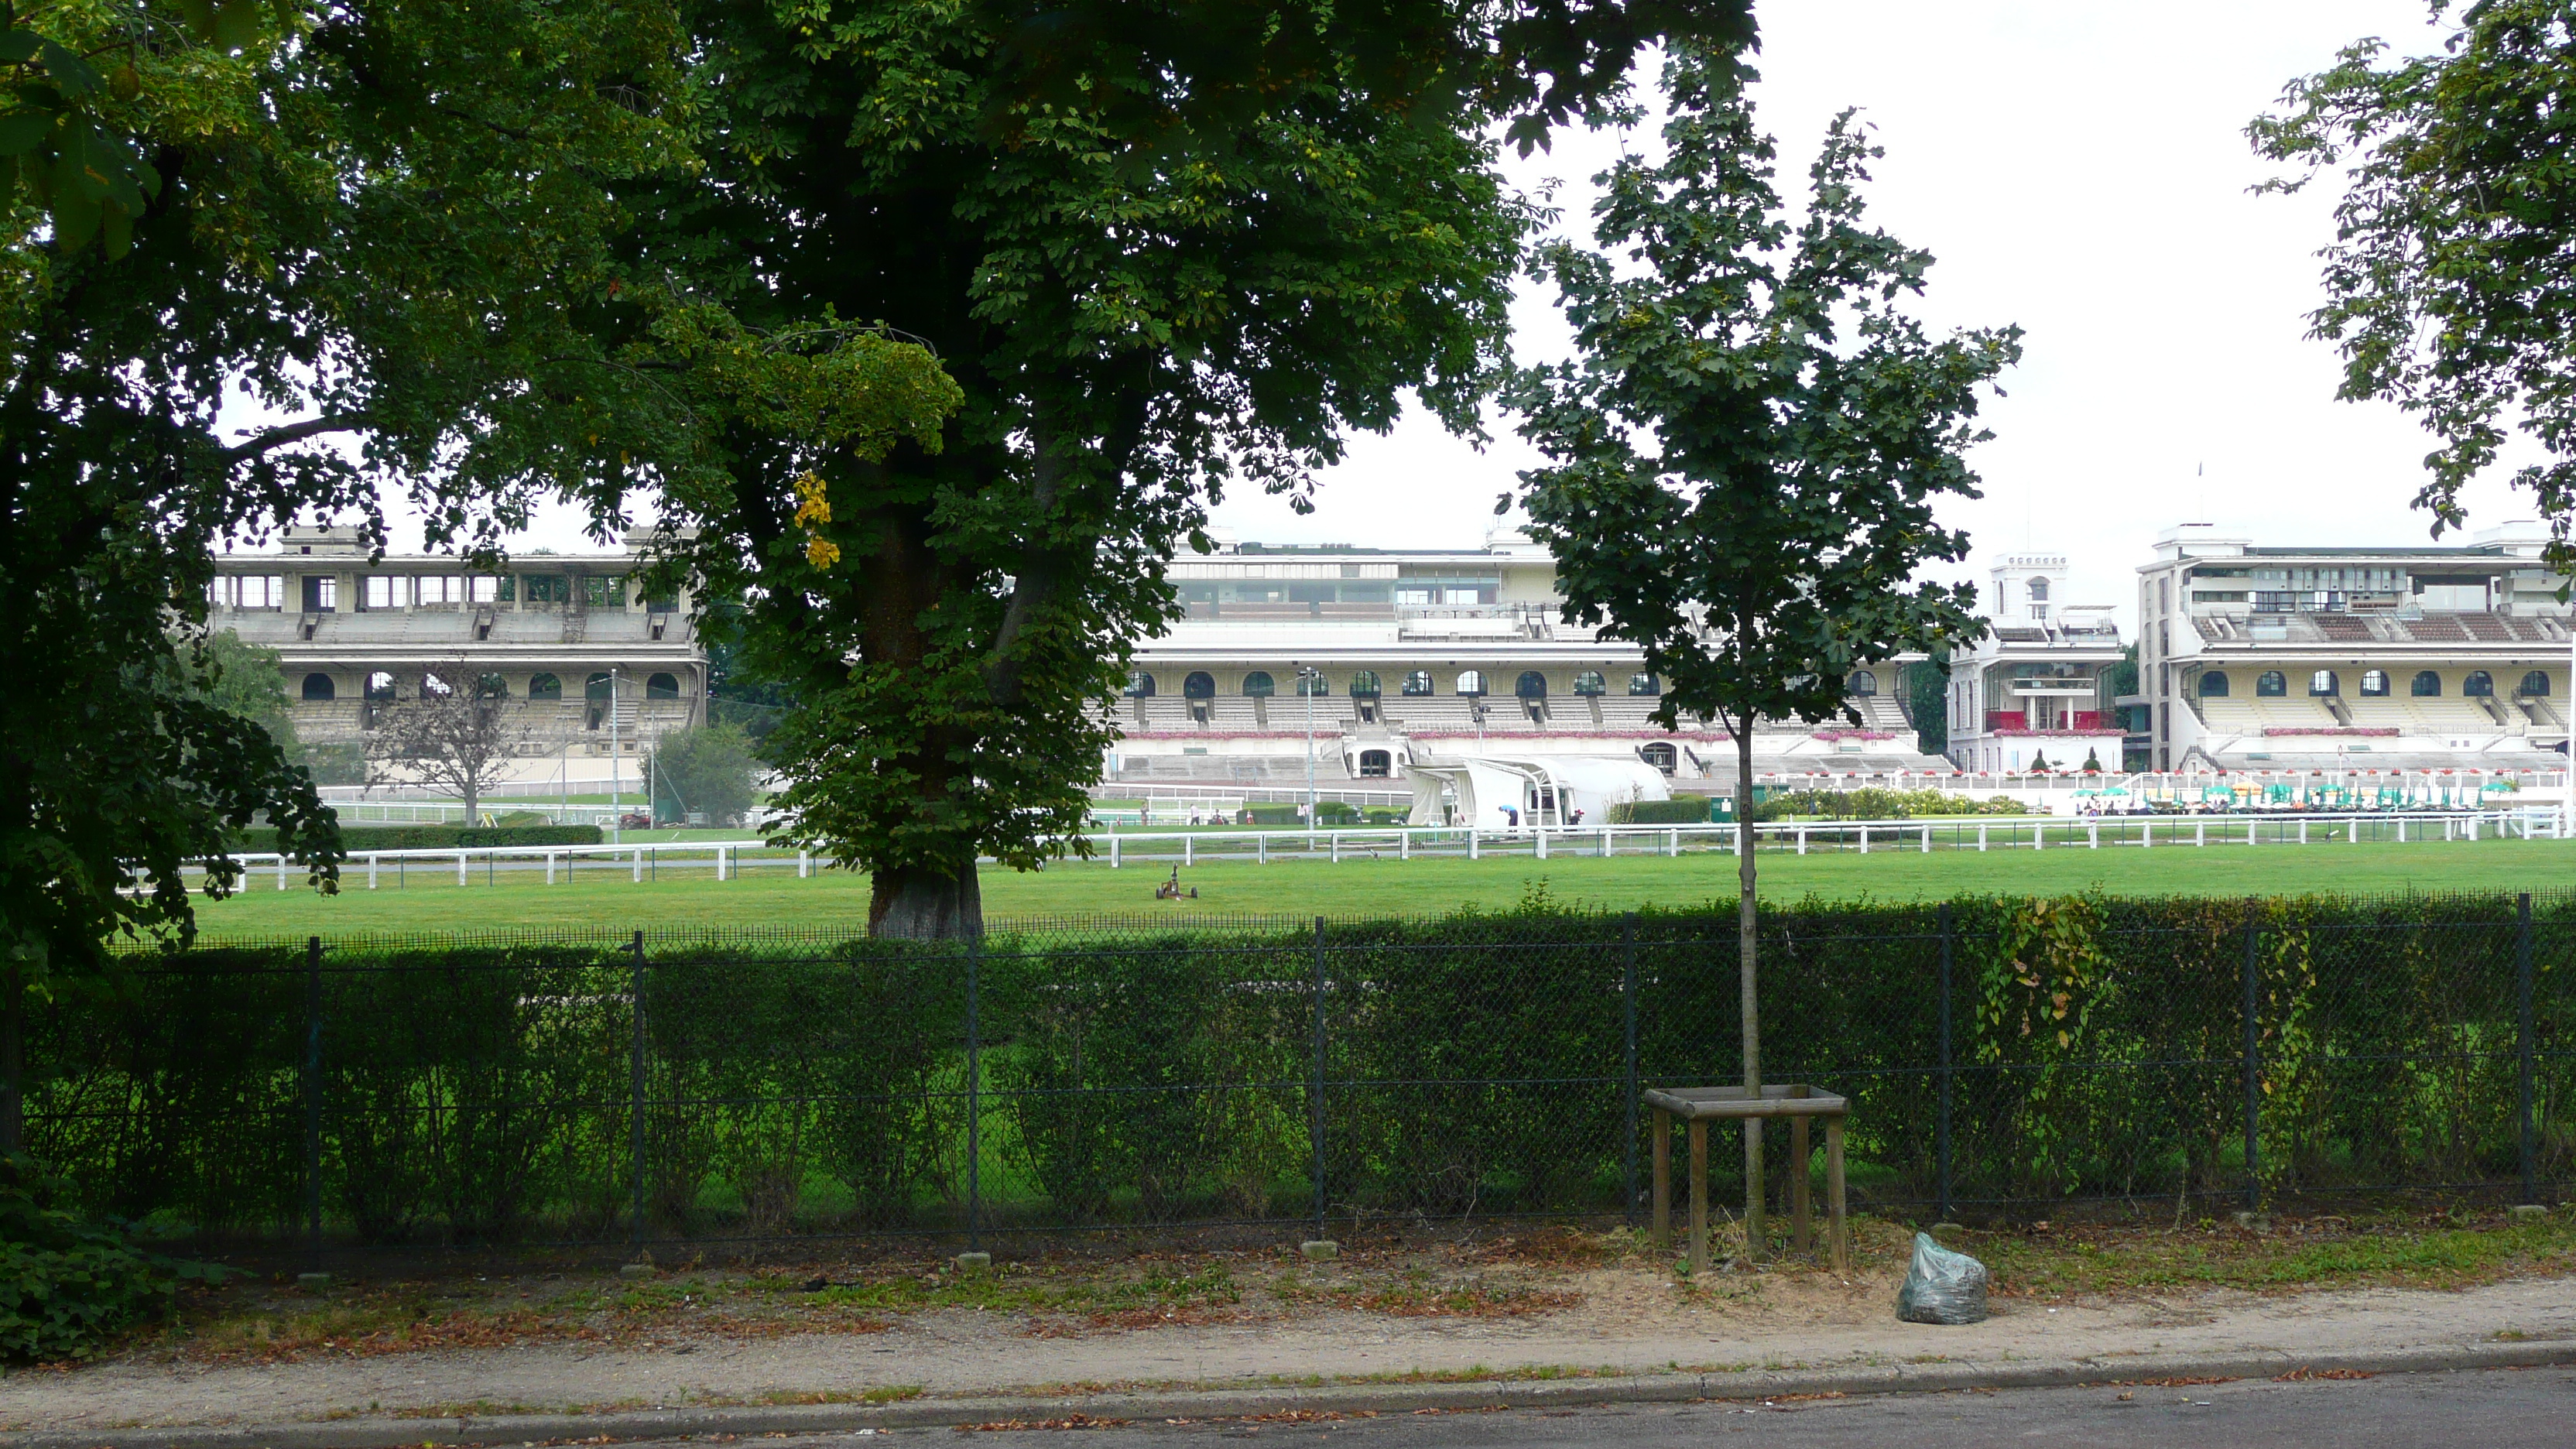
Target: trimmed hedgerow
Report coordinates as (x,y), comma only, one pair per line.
(1474,1064)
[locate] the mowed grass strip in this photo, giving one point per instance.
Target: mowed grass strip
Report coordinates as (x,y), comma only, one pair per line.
(685,898)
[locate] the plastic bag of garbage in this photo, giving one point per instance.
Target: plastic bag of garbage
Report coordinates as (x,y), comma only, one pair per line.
(1942,1286)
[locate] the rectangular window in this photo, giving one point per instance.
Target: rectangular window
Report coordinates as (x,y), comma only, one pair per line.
(261,591)
(379,591)
(545,588)
(321,593)
(481,589)
(441,589)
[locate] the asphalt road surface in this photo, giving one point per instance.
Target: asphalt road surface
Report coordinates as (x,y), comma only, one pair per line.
(2525,1409)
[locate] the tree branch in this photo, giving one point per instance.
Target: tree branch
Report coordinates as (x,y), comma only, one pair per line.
(258,443)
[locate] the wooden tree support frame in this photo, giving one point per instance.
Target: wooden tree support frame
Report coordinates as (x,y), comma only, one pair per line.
(1800,1104)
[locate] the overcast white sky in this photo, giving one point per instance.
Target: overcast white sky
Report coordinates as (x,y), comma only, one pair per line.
(2080,169)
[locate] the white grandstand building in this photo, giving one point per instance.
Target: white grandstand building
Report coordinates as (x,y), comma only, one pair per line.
(590,661)
(1427,659)
(2286,658)
(2032,693)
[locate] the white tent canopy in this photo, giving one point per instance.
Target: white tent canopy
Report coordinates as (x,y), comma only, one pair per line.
(1496,793)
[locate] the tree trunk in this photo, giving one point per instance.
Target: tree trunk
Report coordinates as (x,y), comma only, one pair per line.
(921,905)
(1748,987)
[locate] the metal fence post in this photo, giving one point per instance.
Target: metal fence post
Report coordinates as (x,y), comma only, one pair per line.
(1628,997)
(313,1098)
(974,1096)
(1946,1071)
(1315,1126)
(2522,1037)
(635,1091)
(2253,1059)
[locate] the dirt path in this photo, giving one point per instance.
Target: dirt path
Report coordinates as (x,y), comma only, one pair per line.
(1625,1321)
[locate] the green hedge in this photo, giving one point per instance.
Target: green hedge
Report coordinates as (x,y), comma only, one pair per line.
(1476,1065)
(1327,812)
(450,837)
(1679,810)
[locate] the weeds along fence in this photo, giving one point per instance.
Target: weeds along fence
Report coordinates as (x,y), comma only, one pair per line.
(2003,1057)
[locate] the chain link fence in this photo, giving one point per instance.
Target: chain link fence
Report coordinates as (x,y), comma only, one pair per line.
(2002,1058)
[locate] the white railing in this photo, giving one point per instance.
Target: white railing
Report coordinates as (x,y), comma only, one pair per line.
(725,859)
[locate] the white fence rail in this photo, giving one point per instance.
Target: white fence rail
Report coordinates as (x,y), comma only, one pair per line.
(728,859)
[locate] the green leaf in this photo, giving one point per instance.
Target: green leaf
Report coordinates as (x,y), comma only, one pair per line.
(19,45)
(200,15)
(76,76)
(20,131)
(116,230)
(236,23)
(76,218)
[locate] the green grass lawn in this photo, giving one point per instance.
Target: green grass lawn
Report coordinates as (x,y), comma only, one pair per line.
(684,899)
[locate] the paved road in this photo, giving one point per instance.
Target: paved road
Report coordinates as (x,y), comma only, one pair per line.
(2488,1410)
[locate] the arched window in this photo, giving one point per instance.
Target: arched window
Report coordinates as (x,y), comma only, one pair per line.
(1364,684)
(2213,685)
(1259,685)
(1140,685)
(2374,684)
(2323,683)
(1862,685)
(1198,684)
(2479,684)
(1376,764)
(2427,685)
(544,686)
(318,689)
(599,688)
(662,686)
(1590,682)
(2039,591)
(2271,684)
(1418,682)
(379,688)
(1645,684)
(1314,683)
(1660,755)
(1531,685)
(1472,682)
(2535,685)
(491,686)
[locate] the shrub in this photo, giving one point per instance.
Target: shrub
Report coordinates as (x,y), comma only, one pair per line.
(1679,810)
(68,1286)
(450,837)
(1327,812)
(1873,803)
(710,772)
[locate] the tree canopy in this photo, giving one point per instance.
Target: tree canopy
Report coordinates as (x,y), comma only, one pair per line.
(2451,281)
(976,306)
(1745,455)
(367,221)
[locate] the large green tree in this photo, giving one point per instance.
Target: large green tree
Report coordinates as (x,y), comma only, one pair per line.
(1158,249)
(1746,452)
(2451,281)
(363,220)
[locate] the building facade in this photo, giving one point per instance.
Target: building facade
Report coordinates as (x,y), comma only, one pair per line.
(2287,658)
(587,658)
(2033,693)
(1393,657)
